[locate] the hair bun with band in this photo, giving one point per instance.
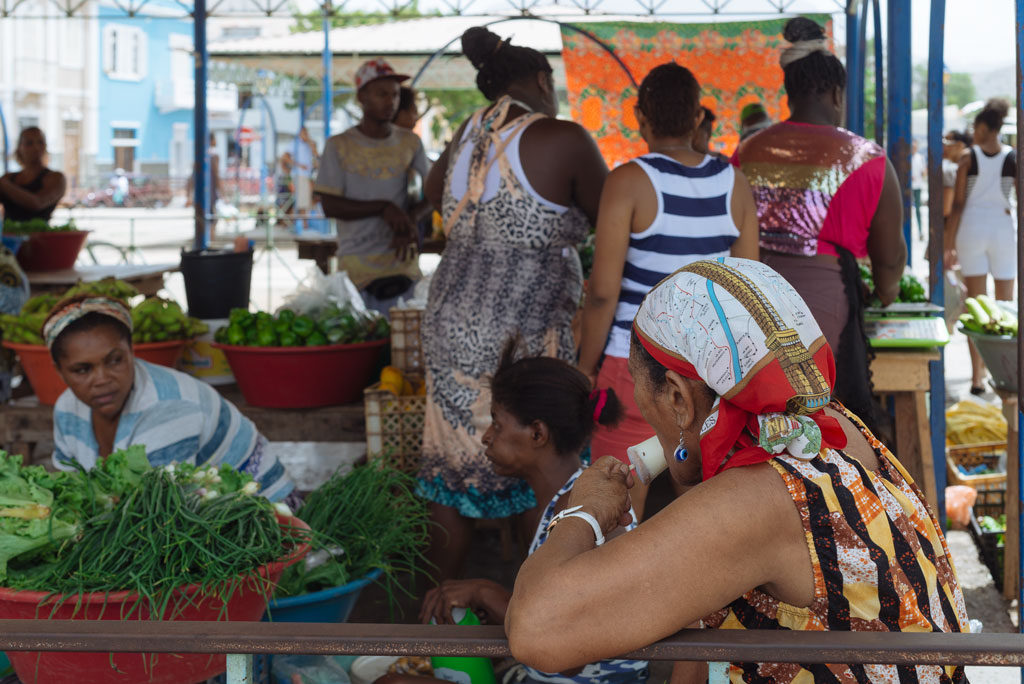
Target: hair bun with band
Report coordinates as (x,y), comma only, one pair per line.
(605,406)
(806,37)
(479,45)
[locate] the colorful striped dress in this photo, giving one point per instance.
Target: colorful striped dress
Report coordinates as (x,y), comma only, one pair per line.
(880,564)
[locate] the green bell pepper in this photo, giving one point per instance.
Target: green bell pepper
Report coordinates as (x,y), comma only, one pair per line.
(303,326)
(316,339)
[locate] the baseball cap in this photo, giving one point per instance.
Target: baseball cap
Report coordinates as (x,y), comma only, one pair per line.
(376,69)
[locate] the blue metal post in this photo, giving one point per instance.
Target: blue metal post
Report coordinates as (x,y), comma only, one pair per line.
(201,170)
(1020,317)
(3,132)
(862,61)
(936,369)
(879,76)
(854,78)
(328,81)
(900,87)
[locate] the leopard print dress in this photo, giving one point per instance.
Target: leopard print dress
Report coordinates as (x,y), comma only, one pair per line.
(510,266)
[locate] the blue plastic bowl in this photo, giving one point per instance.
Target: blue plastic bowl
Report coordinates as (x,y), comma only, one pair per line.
(329,605)
(12,242)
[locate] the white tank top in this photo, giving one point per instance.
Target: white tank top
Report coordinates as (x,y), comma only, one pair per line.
(460,171)
(986,190)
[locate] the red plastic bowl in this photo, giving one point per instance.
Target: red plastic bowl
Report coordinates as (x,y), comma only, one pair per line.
(40,371)
(51,251)
(160,353)
(247,604)
(47,383)
(304,377)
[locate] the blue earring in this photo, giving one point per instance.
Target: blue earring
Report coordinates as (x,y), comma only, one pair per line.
(681,453)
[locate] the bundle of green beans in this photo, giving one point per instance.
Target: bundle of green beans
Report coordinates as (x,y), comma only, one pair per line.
(166,533)
(369,518)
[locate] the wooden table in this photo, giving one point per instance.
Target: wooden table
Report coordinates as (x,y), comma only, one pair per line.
(903,374)
(24,422)
(147,279)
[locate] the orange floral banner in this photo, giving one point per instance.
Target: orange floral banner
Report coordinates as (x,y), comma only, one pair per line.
(737,63)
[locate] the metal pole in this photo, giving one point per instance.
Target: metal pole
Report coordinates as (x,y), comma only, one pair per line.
(3,131)
(328,81)
(1020,317)
(861,66)
(879,76)
(898,99)
(936,273)
(855,78)
(200,168)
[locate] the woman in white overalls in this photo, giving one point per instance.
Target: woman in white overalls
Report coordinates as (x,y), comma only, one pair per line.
(981,234)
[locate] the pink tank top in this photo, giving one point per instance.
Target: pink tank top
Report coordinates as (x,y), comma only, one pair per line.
(815,187)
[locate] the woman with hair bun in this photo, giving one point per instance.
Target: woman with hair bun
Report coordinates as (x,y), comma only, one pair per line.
(517,189)
(826,197)
(980,233)
(543,412)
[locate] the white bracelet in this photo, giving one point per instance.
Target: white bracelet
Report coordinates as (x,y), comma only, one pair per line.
(578,512)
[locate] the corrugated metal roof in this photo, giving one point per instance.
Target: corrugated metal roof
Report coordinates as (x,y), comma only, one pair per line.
(411,36)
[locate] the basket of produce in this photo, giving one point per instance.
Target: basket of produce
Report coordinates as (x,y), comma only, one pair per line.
(367,526)
(46,247)
(395,413)
(976,444)
(300,361)
(161,332)
(989,532)
(992,326)
(126,541)
(912,290)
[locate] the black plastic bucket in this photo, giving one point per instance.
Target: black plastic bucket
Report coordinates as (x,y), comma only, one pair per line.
(216,281)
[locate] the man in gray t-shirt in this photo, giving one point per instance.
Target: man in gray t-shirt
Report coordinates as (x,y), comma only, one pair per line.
(363,183)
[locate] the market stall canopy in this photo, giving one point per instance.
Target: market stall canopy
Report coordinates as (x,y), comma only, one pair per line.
(406,44)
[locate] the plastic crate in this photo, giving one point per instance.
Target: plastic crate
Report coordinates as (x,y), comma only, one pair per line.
(394,426)
(406,342)
(970,455)
(991,550)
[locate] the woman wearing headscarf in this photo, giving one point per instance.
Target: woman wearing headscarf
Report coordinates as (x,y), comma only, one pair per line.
(114,401)
(796,517)
(826,197)
(518,189)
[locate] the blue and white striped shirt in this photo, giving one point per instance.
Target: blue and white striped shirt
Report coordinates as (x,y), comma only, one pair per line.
(694,222)
(178,419)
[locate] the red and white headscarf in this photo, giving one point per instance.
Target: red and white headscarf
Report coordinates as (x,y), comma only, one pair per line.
(739,327)
(70,310)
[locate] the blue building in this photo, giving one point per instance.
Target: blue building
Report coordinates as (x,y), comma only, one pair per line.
(146,92)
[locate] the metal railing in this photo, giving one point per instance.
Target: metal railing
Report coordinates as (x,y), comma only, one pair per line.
(240,641)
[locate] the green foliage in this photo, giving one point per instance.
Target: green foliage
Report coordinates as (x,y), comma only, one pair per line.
(958,88)
(455,107)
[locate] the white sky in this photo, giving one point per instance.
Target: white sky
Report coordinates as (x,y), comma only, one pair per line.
(979,33)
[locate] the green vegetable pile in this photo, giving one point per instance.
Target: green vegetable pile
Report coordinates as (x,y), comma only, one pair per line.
(160,320)
(984,315)
(912,290)
(153,319)
(989,524)
(367,519)
(332,325)
(36,225)
(127,526)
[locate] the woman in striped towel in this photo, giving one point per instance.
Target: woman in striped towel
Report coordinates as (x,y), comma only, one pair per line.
(658,213)
(114,401)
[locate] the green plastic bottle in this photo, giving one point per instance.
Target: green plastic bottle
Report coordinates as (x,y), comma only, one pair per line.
(464,670)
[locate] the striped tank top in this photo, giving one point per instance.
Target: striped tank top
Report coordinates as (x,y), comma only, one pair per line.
(693,222)
(880,564)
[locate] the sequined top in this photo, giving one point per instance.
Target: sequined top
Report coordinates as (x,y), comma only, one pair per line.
(880,564)
(814,187)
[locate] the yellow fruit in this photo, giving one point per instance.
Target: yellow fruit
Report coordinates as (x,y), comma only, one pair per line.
(392,376)
(422,391)
(407,389)
(391,387)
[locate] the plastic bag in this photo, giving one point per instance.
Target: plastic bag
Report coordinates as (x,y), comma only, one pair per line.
(13,283)
(959,500)
(955,294)
(305,669)
(317,292)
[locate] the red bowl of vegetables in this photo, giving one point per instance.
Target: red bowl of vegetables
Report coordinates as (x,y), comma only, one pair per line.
(247,603)
(51,250)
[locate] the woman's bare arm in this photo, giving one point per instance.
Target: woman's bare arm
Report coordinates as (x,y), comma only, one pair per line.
(744,213)
(575,604)
(54,186)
